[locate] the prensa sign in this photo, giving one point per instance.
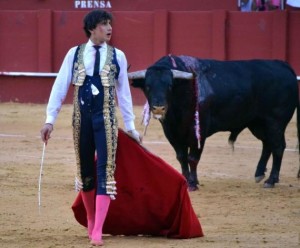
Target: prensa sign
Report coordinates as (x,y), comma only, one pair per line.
(92,4)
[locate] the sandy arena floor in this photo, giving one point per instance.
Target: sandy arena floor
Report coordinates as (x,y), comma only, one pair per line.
(233,210)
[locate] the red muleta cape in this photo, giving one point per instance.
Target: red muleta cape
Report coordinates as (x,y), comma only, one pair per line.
(152,197)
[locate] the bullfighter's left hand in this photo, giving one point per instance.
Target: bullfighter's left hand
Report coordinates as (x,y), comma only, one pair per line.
(135,135)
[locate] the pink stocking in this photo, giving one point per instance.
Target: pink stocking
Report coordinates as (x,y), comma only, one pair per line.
(102,204)
(89,204)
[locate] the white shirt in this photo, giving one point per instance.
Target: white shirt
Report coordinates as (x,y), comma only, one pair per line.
(64,77)
(293,3)
(246,6)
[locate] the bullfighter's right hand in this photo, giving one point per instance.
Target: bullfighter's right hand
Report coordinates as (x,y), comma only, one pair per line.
(46,131)
(134,134)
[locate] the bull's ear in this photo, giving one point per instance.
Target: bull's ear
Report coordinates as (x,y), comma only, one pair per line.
(138,83)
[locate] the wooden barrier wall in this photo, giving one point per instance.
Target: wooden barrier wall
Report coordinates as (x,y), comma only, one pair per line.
(37,41)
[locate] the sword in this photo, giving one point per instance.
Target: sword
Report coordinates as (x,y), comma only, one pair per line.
(41,172)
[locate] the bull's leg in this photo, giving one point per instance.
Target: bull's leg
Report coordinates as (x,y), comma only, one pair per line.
(193,159)
(262,164)
(266,132)
(277,153)
(182,157)
(193,179)
(273,143)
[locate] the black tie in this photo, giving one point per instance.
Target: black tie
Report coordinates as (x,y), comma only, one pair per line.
(97,61)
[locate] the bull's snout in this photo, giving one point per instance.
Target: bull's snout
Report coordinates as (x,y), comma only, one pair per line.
(158,111)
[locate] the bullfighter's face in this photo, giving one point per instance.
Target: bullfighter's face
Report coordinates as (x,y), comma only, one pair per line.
(102,33)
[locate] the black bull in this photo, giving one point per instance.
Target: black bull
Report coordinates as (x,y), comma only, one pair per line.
(260,95)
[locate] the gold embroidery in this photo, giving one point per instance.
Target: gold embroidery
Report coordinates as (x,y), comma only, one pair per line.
(105,75)
(79,72)
(76,135)
(79,75)
(110,120)
(109,70)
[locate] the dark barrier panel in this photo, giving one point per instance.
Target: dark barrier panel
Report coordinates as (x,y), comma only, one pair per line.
(257,35)
(19,41)
(293,40)
(133,33)
(67,31)
(119,5)
(37,41)
(26,89)
(31,89)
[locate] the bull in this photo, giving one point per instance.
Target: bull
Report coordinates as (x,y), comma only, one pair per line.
(185,92)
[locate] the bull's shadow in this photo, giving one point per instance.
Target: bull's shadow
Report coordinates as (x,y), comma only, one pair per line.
(195,98)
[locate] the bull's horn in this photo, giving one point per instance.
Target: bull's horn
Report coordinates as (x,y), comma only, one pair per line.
(182,74)
(137,74)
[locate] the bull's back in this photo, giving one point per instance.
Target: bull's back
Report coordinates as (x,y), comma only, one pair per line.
(256,74)
(239,91)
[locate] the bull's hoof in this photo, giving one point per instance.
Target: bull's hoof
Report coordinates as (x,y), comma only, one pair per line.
(193,188)
(259,178)
(268,185)
(270,182)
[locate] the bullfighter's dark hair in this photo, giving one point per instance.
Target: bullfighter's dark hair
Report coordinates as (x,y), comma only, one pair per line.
(93,18)
(166,63)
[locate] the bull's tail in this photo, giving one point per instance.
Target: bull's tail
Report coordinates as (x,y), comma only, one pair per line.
(298,127)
